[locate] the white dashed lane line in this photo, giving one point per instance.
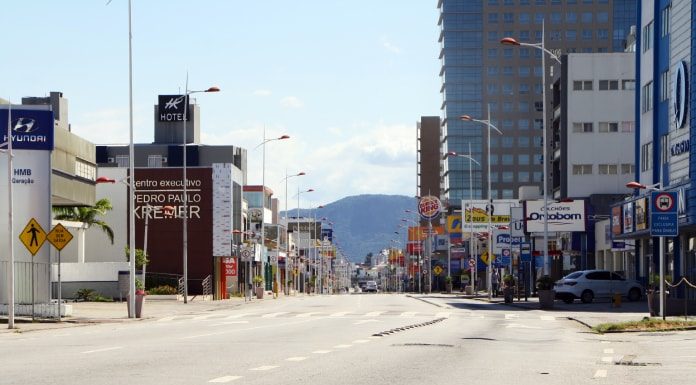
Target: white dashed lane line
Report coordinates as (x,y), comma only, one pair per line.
(102,350)
(273,315)
(305,315)
(225,379)
(364,321)
(265,367)
(511,316)
(361,341)
(607,359)
(373,314)
(321,351)
(601,373)
(339,314)
(239,315)
(342,346)
(296,359)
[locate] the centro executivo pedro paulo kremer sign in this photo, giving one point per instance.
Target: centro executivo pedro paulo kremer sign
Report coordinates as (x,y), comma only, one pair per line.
(562,216)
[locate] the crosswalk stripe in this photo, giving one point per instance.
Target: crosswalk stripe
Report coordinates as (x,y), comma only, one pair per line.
(373,313)
(339,314)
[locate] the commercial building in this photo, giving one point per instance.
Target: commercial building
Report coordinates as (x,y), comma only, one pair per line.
(478,72)
(665,113)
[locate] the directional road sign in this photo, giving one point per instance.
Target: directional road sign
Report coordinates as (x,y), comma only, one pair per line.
(664,220)
(59,236)
(33,236)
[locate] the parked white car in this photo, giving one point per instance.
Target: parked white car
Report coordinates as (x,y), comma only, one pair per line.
(370,286)
(590,284)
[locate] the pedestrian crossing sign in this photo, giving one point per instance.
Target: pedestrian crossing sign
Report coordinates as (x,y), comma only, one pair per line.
(485,258)
(33,236)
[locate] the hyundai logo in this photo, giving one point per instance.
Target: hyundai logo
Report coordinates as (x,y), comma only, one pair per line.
(25,125)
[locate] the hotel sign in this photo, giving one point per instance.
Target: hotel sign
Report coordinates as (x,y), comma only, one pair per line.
(171,108)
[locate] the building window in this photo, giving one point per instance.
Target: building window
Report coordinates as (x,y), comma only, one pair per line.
(523,159)
(646,157)
(664,86)
(523,124)
(571,17)
(608,127)
(628,126)
(508,177)
(524,89)
(582,85)
(492,18)
(523,176)
(608,169)
(602,17)
(507,160)
(627,169)
(122,160)
(154,161)
(508,142)
(647,36)
(628,84)
(524,18)
(608,85)
(583,127)
(538,124)
(665,20)
(586,17)
(582,169)
(493,36)
(84,169)
(647,97)
(602,34)
(508,17)
(586,34)
(571,35)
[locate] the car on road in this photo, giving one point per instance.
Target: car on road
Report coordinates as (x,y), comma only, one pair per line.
(370,286)
(587,285)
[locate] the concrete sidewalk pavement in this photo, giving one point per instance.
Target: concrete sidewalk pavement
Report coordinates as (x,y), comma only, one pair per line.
(590,314)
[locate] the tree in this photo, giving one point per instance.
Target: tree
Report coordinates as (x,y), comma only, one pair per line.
(89,215)
(140,257)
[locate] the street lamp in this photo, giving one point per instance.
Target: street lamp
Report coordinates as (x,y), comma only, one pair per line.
(656,187)
(540,46)
(287,256)
(489,125)
(471,221)
(10,189)
(185,99)
(263,196)
(298,223)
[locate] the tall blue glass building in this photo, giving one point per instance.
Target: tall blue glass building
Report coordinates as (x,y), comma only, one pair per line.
(478,72)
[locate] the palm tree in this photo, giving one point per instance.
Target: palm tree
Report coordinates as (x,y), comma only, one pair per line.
(89,215)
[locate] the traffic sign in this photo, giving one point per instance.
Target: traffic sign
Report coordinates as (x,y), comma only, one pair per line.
(664,220)
(246,254)
(437,270)
(33,236)
(472,262)
(485,258)
(59,236)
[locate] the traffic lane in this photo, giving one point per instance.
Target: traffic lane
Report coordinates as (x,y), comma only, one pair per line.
(169,341)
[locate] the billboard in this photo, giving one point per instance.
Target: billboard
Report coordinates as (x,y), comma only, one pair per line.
(562,216)
(31,129)
(628,218)
(641,213)
(616,226)
(476,214)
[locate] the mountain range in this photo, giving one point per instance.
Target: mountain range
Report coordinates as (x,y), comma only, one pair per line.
(366,223)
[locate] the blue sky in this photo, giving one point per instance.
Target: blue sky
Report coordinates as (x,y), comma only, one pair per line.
(347,80)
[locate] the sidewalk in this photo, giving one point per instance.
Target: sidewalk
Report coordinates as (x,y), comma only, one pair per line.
(590,314)
(85,313)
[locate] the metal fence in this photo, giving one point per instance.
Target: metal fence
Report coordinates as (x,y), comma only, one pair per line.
(26,283)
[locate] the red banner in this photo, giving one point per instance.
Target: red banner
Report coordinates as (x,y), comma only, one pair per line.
(230,267)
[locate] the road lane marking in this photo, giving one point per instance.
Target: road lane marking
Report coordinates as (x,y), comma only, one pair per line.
(364,321)
(339,314)
(548,318)
(443,314)
(225,379)
(305,315)
(342,346)
(273,315)
(607,359)
(608,351)
(239,315)
(321,351)
(373,314)
(198,335)
(296,359)
(511,316)
(408,314)
(165,319)
(102,350)
(204,317)
(230,323)
(265,367)
(605,342)
(361,341)
(601,373)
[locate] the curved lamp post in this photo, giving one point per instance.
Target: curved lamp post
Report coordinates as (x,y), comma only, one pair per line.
(298,221)
(540,46)
(287,256)
(490,126)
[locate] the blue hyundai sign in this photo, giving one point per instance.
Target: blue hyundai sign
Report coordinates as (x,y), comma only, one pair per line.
(31,129)
(664,221)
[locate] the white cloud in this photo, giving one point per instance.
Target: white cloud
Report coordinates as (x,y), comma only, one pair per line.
(389,46)
(262,92)
(291,102)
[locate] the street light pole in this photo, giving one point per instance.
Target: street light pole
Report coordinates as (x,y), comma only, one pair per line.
(287,239)
(131,172)
(489,206)
(10,203)
(540,46)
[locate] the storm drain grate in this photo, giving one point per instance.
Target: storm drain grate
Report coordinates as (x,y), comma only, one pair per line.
(391,331)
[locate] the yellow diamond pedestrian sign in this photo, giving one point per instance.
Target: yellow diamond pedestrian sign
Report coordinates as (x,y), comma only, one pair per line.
(485,258)
(437,270)
(33,236)
(59,236)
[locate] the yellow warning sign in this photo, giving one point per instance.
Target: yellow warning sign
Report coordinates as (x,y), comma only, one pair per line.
(33,236)
(437,270)
(59,236)
(485,258)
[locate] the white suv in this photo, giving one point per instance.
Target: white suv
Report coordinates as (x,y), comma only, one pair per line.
(590,284)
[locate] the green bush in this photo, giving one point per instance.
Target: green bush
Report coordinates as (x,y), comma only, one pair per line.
(544,283)
(163,290)
(89,295)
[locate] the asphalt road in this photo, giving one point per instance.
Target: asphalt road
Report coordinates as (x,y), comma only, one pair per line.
(349,339)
